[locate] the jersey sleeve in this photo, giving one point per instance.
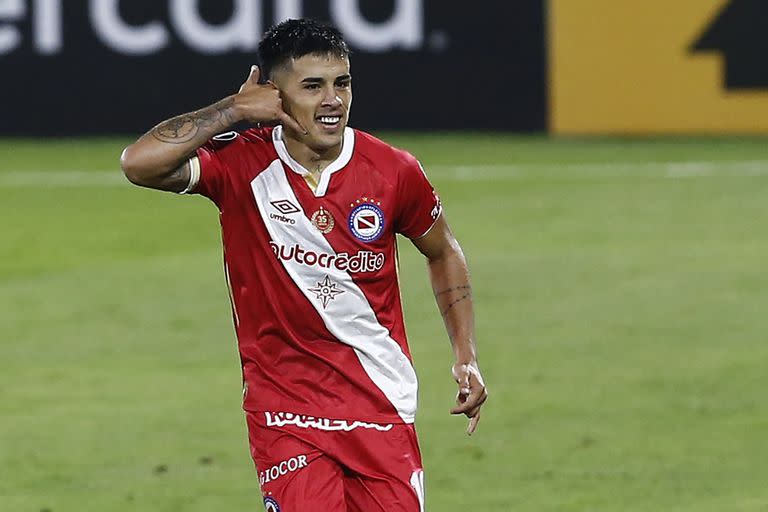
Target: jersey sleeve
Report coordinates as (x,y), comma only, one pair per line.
(213,165)
(418,205)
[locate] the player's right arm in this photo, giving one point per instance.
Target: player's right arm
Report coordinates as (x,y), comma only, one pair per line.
(160,158)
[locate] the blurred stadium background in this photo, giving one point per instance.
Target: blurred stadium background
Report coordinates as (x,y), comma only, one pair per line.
(603,163)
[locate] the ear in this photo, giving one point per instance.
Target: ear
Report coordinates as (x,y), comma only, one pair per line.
(273,84)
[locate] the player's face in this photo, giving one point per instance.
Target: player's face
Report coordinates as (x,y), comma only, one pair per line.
(317,91)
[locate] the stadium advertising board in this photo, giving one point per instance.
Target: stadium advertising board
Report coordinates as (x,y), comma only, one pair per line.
(111,66)
(688,66)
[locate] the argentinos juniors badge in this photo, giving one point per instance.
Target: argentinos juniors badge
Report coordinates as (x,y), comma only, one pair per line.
(366,222)
(270,504)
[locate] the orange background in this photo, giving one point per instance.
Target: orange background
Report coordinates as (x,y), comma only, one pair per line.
(625,67)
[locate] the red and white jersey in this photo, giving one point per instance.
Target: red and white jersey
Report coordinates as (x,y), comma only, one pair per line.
(313,275)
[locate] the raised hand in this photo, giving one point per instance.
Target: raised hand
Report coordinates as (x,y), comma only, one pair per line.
(261,103)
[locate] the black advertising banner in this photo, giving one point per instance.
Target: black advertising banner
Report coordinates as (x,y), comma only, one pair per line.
(109,66)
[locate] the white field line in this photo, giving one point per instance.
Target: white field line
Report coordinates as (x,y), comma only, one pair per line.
(57,179)
(674,170)
(511,172)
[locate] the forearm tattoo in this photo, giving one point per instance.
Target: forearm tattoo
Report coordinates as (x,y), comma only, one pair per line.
(458,294)
(454,289)
(184,128)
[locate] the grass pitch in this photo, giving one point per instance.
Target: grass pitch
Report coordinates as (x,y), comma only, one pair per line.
(620,288)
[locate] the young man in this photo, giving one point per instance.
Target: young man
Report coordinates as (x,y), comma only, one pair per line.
(309,213)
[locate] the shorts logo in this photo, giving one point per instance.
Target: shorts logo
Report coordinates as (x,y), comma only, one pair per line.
(282,468)
(366,222)
(323,220)
(270,504)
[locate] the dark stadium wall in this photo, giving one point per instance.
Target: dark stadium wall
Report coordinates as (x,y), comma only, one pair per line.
(109,67)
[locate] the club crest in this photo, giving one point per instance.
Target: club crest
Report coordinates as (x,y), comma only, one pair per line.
(366,221)
(271,504)
(322,219)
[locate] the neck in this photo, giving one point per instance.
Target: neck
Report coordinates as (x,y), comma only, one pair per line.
(314,160)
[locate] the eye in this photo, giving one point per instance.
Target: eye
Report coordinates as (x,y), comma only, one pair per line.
(344,84)
(312,86)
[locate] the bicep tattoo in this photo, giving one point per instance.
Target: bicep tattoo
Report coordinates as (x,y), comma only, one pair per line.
(177,130)
(187,127)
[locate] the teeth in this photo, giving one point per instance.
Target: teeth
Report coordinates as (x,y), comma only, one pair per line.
(330,120)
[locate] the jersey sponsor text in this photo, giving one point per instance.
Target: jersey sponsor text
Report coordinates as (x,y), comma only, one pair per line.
(362,261)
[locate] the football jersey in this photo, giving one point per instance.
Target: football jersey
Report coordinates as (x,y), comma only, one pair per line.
(313,274)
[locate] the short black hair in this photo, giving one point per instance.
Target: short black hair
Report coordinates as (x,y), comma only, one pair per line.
(293,39)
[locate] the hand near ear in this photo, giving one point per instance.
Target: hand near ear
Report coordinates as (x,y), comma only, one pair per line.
(261,103)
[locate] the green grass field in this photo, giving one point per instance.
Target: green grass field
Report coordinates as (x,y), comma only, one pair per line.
(621,290)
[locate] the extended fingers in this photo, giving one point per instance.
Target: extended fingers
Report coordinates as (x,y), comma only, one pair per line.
(254,75)
(253,78)
(473,423)
(474,411)
(291,123)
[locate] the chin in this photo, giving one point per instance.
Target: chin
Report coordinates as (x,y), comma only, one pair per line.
(326,141)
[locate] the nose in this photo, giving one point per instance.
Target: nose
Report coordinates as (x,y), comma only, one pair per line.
(331,99)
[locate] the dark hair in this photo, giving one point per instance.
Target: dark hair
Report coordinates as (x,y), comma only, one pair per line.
(293,39)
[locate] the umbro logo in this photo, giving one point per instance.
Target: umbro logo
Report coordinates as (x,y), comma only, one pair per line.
(285,207)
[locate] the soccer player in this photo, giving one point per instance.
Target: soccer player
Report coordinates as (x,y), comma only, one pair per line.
(309,211)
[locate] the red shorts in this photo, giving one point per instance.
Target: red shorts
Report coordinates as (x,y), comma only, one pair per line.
(308,464)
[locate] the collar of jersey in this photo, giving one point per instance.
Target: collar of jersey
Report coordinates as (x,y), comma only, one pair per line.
(347,145)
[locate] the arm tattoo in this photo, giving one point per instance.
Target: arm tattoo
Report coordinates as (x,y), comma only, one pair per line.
(455,288)
(184,128)
(467,289)
(177,130)
(462,298)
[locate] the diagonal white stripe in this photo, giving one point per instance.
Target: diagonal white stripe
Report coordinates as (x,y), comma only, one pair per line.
(348,316)
(367,223)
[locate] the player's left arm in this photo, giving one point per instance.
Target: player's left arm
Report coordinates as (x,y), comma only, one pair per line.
(451,285)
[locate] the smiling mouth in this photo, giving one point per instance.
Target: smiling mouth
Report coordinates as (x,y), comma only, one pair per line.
(329,121)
